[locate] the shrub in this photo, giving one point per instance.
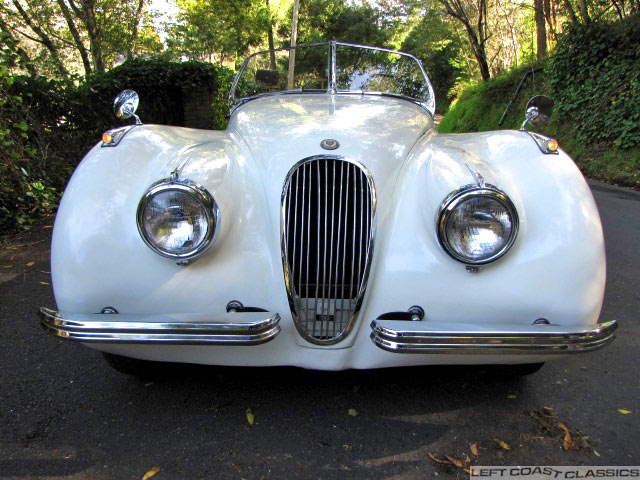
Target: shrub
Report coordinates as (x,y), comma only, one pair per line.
(594,80)
(595,77)
(47,126)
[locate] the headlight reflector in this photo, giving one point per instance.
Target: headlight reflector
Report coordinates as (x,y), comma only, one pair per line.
(178,219)
(477,224)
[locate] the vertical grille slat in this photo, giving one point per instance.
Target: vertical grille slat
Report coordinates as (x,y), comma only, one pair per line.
(328,209)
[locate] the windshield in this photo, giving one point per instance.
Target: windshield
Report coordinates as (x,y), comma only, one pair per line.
(332,67)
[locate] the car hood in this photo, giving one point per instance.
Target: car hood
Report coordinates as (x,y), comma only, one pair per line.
(376,131)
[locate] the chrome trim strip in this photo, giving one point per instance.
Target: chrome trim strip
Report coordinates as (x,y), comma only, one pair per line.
(117,134)
(304,330)
(455,198)
(118,328)
(201,195)
(532,342)
(541,141)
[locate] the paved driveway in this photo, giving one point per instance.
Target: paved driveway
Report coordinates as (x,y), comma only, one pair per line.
(65,414)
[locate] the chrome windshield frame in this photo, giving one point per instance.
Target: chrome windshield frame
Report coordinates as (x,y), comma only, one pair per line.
(429,105)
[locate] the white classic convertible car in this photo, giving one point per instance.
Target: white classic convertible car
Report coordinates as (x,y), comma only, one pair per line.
(328,227)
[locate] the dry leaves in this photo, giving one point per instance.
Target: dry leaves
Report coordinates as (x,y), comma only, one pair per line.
(30,264)
(474,450)
(623,411)
(455,461)
(450,459)
(502,444)
(566,443)
(436,459)
(151,473)
(572,439)
(353,412)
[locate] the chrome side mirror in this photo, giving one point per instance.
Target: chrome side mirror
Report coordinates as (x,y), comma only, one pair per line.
(126,104)
(538,111)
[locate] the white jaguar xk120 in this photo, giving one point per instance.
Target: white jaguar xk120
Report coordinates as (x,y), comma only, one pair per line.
(328,227)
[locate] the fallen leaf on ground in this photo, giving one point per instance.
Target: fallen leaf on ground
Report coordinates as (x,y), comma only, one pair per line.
(544,416)
(30,264)
(502,444)
(250,416)
(456,461)
(353,412)
(566,444)
(596,452)
(474,450)
(623,411)
(511,396)
(436,459)
(44,283)
(151,473)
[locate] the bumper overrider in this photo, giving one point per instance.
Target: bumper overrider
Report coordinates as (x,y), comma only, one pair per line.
(245,328)
(407,337)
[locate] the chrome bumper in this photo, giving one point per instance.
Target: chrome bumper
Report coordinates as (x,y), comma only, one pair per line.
(246,328)
(534,341)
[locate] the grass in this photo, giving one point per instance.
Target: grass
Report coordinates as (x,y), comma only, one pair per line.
(480,107)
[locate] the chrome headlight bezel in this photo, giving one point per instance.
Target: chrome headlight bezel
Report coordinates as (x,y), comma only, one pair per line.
(455,199)
(202,196)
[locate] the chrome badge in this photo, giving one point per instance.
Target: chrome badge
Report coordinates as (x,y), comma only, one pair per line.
(329,144)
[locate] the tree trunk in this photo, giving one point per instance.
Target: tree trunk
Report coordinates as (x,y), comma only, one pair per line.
(134,29)
(272,54)
(76,37)
(44,39)
(88,15)
(292,52)
(571,11)
(541,31)
(477,37)
(584,11)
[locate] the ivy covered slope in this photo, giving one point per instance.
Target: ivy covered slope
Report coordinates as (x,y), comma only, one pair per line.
(47,126)
(594,79)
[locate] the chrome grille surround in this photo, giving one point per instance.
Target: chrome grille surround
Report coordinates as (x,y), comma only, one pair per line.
(328,315)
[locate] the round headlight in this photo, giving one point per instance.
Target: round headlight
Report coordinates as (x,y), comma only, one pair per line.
(477,225)
(178,219)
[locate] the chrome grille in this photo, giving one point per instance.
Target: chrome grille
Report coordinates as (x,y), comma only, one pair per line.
(328,215)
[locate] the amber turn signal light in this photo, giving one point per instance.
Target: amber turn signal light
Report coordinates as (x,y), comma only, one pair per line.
(553,145)
(107,138)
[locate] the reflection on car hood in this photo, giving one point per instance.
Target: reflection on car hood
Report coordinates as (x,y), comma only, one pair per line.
(376,131)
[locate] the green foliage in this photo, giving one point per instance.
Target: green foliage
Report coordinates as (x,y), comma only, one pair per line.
(595,76)
(480,106)
(47,126)
(324,20)
(434,42)
(594,79)
(219,27)
(160,84)
(27,189)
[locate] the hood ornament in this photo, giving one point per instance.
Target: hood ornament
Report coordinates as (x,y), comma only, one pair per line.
(329,144)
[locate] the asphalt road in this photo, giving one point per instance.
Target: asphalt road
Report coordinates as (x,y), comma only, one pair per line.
(65,414)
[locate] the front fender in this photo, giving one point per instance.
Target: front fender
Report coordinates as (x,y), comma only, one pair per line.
(555,269)
(99,258)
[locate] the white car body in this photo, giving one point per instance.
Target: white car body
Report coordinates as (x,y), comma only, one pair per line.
(555,270)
